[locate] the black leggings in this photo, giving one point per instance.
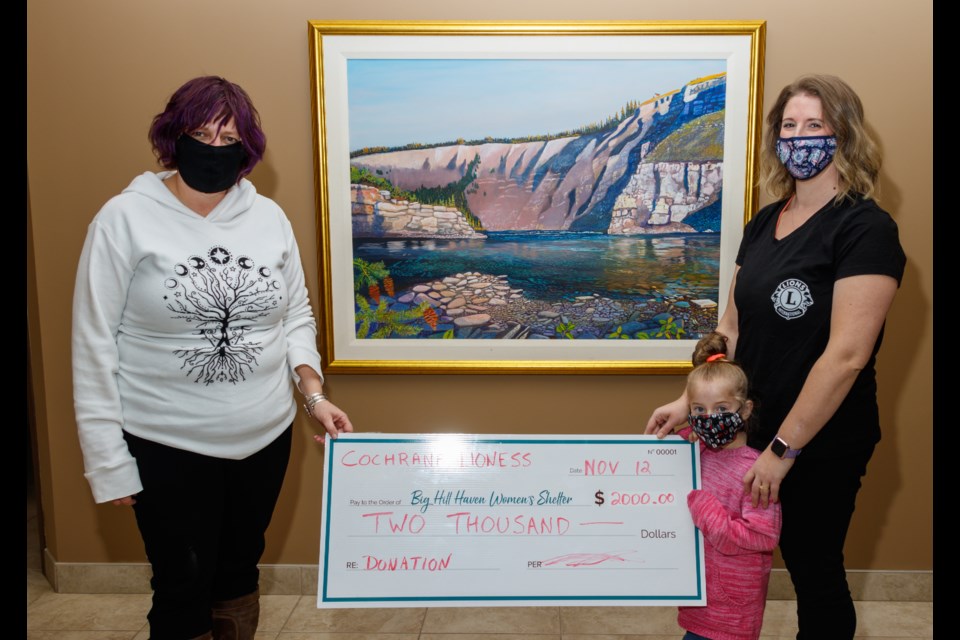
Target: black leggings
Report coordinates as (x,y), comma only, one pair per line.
(818,498)
(203,521)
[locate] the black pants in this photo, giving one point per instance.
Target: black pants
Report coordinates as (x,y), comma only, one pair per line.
(203,521)
(818,498)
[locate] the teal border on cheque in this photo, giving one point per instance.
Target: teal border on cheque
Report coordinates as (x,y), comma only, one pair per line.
(328,489)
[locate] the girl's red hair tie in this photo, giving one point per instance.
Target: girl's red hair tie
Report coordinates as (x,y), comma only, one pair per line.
(716,356)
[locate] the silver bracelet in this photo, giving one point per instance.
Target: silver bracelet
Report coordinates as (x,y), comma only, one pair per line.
(312,401)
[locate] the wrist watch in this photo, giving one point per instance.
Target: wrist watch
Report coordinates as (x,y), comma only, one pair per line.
(782,450)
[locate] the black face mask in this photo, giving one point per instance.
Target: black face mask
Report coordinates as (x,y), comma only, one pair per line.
(207,168)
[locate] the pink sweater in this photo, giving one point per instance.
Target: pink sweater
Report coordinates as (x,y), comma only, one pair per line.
(738,548)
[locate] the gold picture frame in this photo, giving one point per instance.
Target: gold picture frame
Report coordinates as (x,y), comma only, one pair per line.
(375,86)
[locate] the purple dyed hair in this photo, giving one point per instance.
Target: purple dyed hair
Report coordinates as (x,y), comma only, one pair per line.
(202,100)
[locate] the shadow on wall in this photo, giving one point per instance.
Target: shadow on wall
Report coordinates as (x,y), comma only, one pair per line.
(895,362)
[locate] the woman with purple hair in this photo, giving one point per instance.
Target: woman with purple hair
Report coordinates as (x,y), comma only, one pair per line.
(191,326)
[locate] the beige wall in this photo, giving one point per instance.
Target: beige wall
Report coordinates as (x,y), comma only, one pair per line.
(98,71)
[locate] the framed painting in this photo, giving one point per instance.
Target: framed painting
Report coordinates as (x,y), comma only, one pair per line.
(530,197)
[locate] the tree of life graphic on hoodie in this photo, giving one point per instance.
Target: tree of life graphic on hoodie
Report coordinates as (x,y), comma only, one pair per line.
(221,295)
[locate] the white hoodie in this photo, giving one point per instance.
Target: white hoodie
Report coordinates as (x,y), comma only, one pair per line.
(186,329)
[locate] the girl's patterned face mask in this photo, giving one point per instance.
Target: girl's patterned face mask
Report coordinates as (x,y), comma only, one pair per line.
(716,429)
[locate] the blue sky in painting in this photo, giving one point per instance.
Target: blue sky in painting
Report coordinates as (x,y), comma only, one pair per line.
(396,102)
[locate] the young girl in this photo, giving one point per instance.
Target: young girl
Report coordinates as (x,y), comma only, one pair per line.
(738,538)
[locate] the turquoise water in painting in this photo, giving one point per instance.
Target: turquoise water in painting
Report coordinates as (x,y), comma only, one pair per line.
(555,266)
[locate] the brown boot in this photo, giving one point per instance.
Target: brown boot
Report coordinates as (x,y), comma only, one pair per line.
(207,636)
(237,619)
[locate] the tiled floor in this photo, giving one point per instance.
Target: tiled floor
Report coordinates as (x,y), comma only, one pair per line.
(53,616)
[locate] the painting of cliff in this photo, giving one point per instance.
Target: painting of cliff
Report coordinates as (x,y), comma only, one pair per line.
(520,197)
(478,213)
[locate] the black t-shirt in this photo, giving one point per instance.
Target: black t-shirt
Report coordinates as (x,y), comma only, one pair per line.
(784,299)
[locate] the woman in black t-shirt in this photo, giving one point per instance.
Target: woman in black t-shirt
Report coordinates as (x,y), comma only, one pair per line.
(816,274)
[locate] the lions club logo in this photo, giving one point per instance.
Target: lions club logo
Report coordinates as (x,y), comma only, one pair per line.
(791,298)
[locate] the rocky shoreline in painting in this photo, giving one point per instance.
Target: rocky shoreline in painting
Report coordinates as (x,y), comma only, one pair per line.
(475,305)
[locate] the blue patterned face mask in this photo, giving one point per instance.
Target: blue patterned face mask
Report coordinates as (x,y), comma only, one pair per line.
(716,429)
(806,156)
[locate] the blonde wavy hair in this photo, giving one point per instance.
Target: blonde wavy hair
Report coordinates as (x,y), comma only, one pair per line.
(711,365)
(857,157)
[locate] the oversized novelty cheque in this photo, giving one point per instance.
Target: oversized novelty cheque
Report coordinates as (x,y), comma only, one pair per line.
(508,520)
